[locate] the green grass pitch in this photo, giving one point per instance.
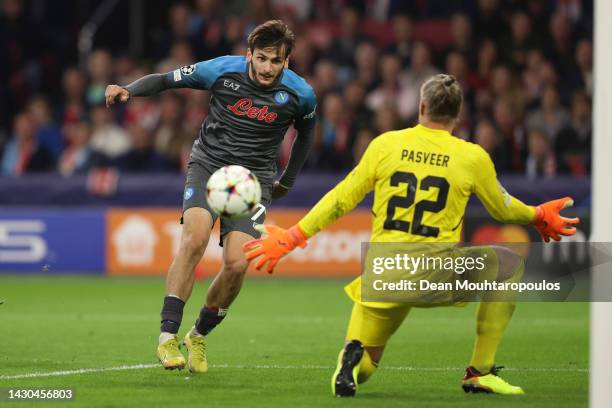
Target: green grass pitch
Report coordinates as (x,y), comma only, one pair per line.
(277,347)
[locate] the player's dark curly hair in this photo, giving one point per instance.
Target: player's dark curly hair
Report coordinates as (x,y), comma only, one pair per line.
(443,96)
(272,33)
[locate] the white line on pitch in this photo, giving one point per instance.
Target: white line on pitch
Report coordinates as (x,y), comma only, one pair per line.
(262,366)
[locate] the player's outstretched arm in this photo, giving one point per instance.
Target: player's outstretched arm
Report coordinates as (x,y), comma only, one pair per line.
(550,223)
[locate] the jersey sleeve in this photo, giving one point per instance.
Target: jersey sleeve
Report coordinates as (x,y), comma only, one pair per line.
(499,203)
(201,75)
(345,196)
(306,119)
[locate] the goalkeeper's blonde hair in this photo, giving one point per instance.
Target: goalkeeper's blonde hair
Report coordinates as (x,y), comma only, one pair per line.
(443,96)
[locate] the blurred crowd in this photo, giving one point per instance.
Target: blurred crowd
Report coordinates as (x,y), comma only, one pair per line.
(526,68)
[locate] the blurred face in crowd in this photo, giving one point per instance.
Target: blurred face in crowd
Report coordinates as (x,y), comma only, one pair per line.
(354,95)
(77,134)
(332,108)
(266,64)
(550,99)
(12,9)
(503,115)
(362,140)
(181,54)
(390,68)
(502,80)
(581,107)
(461,28)
(487,6)
(521,27)
(100,116)
(24,128)
(403,28)
(421,58)
(140,137)
(560,29)
(486,136)
(74,83)
(326,75)
(456,65)
(539,146)
(386,119)
(100,66)
(365,54)
(170,108)
(584,54)
(40,110)
(179,19)
(349,22)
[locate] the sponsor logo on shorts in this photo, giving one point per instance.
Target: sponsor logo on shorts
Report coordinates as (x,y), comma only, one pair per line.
(188,193)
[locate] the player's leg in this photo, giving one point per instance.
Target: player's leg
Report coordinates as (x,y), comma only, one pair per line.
(368,331)
(197,223)
(226,285)
(492,319)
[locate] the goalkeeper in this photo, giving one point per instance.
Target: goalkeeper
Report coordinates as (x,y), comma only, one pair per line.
(422,178)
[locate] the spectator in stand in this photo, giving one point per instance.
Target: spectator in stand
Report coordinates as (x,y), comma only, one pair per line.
(420,70)
(302,57)
(461,38)
(489,21)
(142,157)
(354,99)
(78,157)
(178,21)
(100,69)
(511,132)
(73,107)
(582,75)
(392,90)
(325,78)
(540,157)
(362,140)
(334,144)
(487,137)
(108,139)
(23,154)
(386,119)
(561,45)
(573,143)
(480,78)
(343,47)
(205,29)
(171,139)
(403,38)
(551,117)
(505,85)
(365,57)
(520,41)
(48,133)
(180,54)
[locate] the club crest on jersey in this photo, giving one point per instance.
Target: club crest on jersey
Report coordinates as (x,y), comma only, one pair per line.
(244,107)
(188,69)
(281,97)
(188,193)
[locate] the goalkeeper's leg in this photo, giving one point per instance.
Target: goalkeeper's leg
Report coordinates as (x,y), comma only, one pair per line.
(492,319)
(368,332)
(197,223)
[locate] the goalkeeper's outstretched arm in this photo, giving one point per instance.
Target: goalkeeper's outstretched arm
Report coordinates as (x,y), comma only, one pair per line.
(508,209)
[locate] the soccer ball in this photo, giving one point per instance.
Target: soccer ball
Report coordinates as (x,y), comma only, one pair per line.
(233,192)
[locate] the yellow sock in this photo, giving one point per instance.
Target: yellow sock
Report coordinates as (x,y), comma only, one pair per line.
(492,320)
(493,317)
(366,368)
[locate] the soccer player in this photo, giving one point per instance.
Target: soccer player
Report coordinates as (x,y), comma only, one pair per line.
(254,100)
(422,178)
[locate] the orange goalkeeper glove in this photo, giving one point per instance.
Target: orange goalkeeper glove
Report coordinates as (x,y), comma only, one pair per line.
(271,248)
(550,224)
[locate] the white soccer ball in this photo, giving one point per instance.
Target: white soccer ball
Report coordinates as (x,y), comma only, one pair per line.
(233,192)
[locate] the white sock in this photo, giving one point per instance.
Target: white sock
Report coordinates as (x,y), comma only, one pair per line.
(196,332)
(165,336)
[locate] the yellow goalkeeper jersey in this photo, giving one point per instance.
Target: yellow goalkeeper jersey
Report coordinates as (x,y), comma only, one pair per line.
(422,179)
